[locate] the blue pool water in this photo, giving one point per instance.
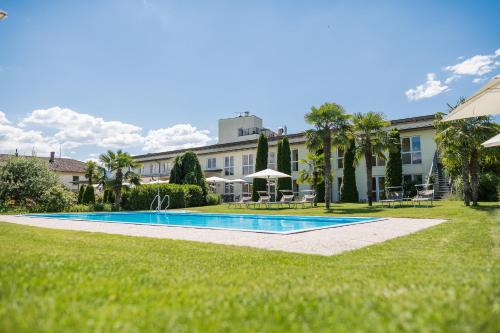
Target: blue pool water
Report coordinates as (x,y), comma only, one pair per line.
(281,224)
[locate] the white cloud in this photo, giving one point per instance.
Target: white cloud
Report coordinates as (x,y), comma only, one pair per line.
(69,130)
(430,88)
(476,65)
(479,79)
(451,79)
(176,137)
(76,129)
(3,119)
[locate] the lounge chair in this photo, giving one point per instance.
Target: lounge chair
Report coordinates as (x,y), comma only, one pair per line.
(264,198)
(306,199)
(425,193)
(244,200)
(286,198)
(394,195)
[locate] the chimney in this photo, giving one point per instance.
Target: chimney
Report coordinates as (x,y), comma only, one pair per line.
(247,113)
(52,156)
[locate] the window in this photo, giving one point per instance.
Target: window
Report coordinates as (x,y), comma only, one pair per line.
(151,168)
(411,152)
(228,188)
(229,165)
(295,160)
(417,179)
(340,158)
(247,164)
(211,163)
(377,161)
(76,178)
(271,160)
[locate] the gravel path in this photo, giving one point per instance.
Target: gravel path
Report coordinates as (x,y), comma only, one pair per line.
(323,242)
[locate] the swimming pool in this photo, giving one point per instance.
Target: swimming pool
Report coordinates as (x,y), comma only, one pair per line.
(279,224)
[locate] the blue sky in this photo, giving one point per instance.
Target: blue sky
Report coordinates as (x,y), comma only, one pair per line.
(152,75)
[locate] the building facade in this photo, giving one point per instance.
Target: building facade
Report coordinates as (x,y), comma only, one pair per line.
(234,156)
(70,171)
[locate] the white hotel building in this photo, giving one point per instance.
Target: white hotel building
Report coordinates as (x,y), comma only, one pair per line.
(234,155)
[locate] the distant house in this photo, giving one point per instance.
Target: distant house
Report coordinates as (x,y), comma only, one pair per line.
(71,171)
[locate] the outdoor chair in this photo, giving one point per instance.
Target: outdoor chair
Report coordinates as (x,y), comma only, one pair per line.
(394,195)
(245,200)
(306,199)
(425,193)
(264,198)
(286,198)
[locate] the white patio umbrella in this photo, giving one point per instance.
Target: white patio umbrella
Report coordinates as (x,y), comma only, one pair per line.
(238,181)
(269,174)
(215,179)
(493,142)
(485,102)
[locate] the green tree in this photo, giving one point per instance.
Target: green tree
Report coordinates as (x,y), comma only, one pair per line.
(348,188)
(260,164)
(176,174)
(371,139)
(25,179)
(89,195)
(285,165)
(459,144)
(187,170)
(330,122)
(91,172)
(394,167)
(117,163)
(80,194)
(313,173)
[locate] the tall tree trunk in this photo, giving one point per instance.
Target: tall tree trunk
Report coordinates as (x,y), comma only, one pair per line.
(327,140)
(118,188)
(474,175)
(465,179)
(369,187)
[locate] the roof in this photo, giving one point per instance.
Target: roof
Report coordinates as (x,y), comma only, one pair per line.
(59,164)
(405,124)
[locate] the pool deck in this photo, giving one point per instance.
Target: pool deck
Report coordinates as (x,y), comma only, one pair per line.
(322,242)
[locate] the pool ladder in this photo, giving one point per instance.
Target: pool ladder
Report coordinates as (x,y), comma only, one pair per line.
(159,202)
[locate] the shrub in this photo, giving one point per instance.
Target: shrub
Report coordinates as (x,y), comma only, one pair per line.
(489,187)
(349,190)
(25,179)
(181,196)
(187,170)
(81,192)
(284,165)
(88,195)
(80,208)
(213,199)
(56,199)
(260,164)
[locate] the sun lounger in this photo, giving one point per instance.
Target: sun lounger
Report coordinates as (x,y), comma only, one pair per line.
(425,194)
(245,200)
(306,199)
(286,199)
(264,199)
(394,195)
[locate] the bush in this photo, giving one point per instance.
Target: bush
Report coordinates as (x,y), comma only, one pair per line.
(24,180)
(88,195)
(213,199)
(80,208)
(56,199)
(81,192)
(181,196)
(489,187)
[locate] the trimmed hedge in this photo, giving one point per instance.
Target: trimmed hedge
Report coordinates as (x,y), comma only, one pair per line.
(181,196)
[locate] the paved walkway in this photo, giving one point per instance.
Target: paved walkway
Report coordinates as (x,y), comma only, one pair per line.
(323,242)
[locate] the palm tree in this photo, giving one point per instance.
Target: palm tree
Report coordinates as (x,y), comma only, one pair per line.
(330,122)
(371,139)
(116,162)
(459,143)
(91,171)
(313,174)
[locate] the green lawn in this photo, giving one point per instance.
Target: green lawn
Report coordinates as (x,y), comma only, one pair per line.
(446,278)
